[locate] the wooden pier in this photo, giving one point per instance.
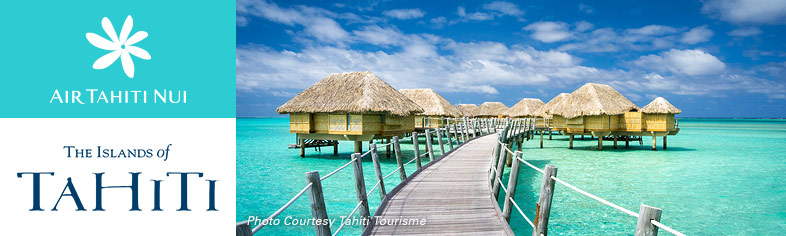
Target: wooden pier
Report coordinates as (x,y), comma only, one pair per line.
(456,193)
(452,195)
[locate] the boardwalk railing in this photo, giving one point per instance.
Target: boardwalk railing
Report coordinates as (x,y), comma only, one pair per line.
(648,217)
(456,130)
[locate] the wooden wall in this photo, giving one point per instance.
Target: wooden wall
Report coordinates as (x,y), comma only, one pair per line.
(350,124)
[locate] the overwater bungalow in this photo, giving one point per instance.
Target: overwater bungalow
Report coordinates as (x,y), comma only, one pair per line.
(594,109)
(436,108)
(354,106)
(525,108)
(546,113)
(491,110)
(658,119)
(468,110)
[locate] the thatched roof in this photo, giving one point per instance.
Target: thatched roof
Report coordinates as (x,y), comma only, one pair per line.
(492,109)
(660,106)
(525,107)
(548,109)
(356,92)
(468,110)
(431,102)
(594,99)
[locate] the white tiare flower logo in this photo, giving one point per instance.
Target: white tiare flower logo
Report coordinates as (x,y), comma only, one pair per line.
(120,47)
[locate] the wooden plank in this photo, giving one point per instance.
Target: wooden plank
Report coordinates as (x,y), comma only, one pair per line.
(451,195)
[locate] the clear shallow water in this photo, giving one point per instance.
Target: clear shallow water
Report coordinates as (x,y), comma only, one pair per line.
(718,177)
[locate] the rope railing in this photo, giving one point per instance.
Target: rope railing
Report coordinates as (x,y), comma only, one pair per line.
(468,128)
(522,212)
(668,229)
(345,221)
(601,200)
(337,170)
(372,189)
(654,222)
(280,210)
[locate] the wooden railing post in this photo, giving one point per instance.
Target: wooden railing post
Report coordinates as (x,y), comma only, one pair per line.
(644,227)
(544,202)
(417,148)
(441,144)
(360,188)
(456,131)
(243,229)
(447,132)
(500,170)
(378,171)
(474,128)
(495,158)
(466,130)
(512,181)
(429,148)
(318,210)
(397,148)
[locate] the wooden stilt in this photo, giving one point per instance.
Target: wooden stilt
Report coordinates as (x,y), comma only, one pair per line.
(582,137)
(510,157)
(664,142)
(387,148)
(571,142)
(549,133)
(358,146)
(600,143)
(335,148)
(615,141)
(653,142)
(627,139)
(541,139)
(302,143)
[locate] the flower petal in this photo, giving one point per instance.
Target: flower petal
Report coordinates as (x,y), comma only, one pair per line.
(128,64)
(106,60)
(138,36)
(109,29)
(138,52)
(100,42)
(126,29)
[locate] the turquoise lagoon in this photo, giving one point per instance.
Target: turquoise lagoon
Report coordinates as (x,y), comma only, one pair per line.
(717,177)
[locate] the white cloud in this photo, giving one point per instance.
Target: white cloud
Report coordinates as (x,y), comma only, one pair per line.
(745,32)
(549,31)
(438,22)
(315,21)
(697,35)
(646,38)
(652,30)
(506,8)
(582,26)
(404,14)
(475,16)
(747,11)
(585,8)
(470,67)
(376,35)
(684,62)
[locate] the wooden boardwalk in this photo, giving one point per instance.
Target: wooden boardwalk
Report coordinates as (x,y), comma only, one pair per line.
(452,195)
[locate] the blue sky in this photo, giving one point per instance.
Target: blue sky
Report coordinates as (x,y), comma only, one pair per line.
(709,58)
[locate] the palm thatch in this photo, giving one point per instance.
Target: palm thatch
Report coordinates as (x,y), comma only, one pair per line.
(468,110)
(525,108)
(492,109)
(353,92)
(546,110)
(431,102)
(594,99)
(660,106)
